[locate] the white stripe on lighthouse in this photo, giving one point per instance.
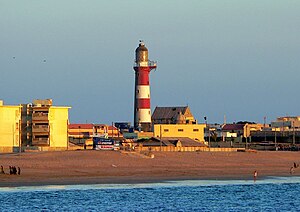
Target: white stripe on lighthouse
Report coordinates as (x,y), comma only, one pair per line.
(142,91)
(143,115)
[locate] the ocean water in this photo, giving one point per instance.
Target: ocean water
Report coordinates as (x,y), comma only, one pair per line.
(272,194)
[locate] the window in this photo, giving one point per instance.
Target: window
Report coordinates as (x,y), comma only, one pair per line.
(180,130)
(195,130)
(166,130)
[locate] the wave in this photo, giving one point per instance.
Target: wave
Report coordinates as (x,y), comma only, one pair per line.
(165,184)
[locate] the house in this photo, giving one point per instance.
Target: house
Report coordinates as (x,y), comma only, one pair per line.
(173,115)
(240,129)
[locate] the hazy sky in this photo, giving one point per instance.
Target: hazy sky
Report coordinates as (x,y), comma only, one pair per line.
(234,58)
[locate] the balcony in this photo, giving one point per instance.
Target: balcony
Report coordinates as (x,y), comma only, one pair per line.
(39,117)
(40,128)
(40,141)
(151,64)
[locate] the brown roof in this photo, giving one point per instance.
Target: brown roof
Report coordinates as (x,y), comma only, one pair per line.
(171,141)
(153,142)
(168,112)
(90,126)
(233,127)
(185,142)
(80,126)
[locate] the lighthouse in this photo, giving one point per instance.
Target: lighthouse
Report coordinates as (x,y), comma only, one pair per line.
(142,68)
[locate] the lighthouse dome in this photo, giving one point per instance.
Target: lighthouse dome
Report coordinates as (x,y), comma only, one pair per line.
(141,53)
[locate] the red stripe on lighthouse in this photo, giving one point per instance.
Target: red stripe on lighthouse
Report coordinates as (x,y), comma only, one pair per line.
(142,75)
(143,103)
(143,78)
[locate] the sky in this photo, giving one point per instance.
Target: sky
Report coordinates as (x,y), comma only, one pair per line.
(232,58)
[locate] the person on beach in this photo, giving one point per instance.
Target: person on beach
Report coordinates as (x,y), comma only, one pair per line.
(10,170)
(292,170)
(14,170)
(19,171)
(296,165)
(2,170)
(255,175)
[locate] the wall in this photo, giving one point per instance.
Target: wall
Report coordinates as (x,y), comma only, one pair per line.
(58,121)
(10,117)
(193,131)
(187,149)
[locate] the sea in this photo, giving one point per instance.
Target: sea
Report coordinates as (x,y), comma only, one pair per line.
(270,194)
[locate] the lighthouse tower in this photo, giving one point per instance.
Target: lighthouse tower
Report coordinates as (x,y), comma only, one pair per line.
(142,68)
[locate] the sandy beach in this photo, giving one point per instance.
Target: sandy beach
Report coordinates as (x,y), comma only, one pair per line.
(89,167)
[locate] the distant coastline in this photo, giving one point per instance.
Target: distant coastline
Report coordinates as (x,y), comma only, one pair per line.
(106,167)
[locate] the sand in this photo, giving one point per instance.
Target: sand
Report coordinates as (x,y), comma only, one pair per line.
(89,166)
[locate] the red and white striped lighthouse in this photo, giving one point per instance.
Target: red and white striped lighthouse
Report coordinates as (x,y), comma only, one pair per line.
(142,67)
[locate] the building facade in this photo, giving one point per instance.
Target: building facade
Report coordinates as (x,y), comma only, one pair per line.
(44,125)
(10,119)
(192,131)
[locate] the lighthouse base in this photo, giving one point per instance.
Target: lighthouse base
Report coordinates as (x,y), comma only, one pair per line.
(145,127)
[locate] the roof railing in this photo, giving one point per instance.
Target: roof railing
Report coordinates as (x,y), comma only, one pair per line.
(150,63)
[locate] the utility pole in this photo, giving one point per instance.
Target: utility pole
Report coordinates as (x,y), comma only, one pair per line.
(246,135)
(207,129)
(275,140)
(112,130)
(160,137)
(265,128)
(294,133)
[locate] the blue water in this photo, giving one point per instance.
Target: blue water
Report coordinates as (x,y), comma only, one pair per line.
(273,194)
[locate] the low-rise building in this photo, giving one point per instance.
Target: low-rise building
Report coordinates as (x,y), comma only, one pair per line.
(192,131)
(82,134)
(287,123)
(173,115)
(240,130)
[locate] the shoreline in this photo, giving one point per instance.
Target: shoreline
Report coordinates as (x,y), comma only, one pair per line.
(103,167)
(266,179)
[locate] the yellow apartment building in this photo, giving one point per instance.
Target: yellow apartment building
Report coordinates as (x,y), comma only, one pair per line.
(10,117)
(193,131)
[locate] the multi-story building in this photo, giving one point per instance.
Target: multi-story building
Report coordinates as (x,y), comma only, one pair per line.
(45,125)
(10,118)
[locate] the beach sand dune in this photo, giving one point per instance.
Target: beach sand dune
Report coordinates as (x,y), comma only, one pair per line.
(86,167)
